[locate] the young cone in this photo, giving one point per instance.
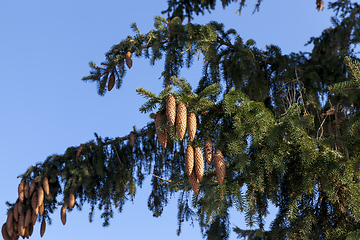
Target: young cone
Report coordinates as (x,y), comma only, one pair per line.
(21,191)
(10,223)
(71,201)
(32,187)
(219,166)
(42,228)
(194,182)
(63,214)
(28,216)
(111,82)
(199,164)
(46,186)
(4,232)
(208,151)
(132,139)
(191,126)
(189,160)
(26,190)
(171,109)
(40,197)
(162,135)
(181,120)
(128,59)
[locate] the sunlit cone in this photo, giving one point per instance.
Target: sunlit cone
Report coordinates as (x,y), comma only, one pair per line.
(10,222)
(32,187)
(63,214)
(319,5)
(128,59)
(46,186)
(21,225)
(71,201)
(4,232)
(26,190)
(189,160)
(181,119)
(219,166)
(42,228)
(34,202)
(208,151)
(40,196)
(162,135)
(111,82)
(16,211)
(33,217)
(21,191)
(132,139)
(194,182)
(199,163)
(171,109)
(41,209)
(28,216)
(191,126)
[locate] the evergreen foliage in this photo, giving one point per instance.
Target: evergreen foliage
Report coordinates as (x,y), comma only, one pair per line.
(282,144)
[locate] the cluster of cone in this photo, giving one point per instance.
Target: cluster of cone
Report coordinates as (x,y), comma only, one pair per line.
(29,205)
(194,160)
(128,60)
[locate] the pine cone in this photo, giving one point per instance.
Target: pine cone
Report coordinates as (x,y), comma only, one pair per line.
(27,232)
(162,135)
(16,211)
(15,229)
(63,214)
(71,201)
(32,187)
(132,139)
(194,182)
(208,151)
(28,215)
(40,197)
(33,217)
(26,190)
(181,120)
(191,126)
(219,166)
(31,229)
(46,186)
(9,222)
(34,202)
(111,82)
(41,209)
(128,59)
(21,225)
(21,191)
(4,232)
(189,160)
(42,228)
(199,164)
(171,109)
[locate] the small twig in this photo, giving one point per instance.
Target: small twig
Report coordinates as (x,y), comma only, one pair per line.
(117,154)
(162,178)
(186,50)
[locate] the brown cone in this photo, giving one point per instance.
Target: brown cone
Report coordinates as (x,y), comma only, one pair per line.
(162,135)
(21,191)
(16,211)
(189,160)
(31,229)
(199,164)
(132,139)
(26,190)
(171,109)
(46,186)
(34,202)
(41,209)
(32,187)
(63,214)
(15,227)
(28,216)
(181,120)
(40,197)
(111,82)
(21,225)
(194,182)
(33,218)
(4,232)
(27,232)
(219,166)
(191,126)
(71,201)
(42,228)
(10,222)
(208,151)
(128,59)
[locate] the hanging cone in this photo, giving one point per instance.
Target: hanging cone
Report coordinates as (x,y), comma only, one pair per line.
(34,202)
(27,232)
(191,126)
(181,120)
(31,229)
(46,186)
(15,228)
(21,191)
(208,151)
(21,225)
(194,182)
(41,209)
(42,228)
(171,109)
(128,59)
(10,222)
(199,164)
(189,160)
(26,190)
(63,214)
(32,187)
(111,82)
(28,216)
(16,211)
(219,166)
(162,135)
(71,201)
(132,139)
(4,232)
(33,218)
(40,197)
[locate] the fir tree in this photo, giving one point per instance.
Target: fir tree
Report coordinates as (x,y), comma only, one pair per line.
(261,110)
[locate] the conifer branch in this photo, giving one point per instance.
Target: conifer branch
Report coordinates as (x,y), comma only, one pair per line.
(162,178)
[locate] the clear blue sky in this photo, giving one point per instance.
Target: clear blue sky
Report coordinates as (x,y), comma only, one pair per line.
(45,47)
